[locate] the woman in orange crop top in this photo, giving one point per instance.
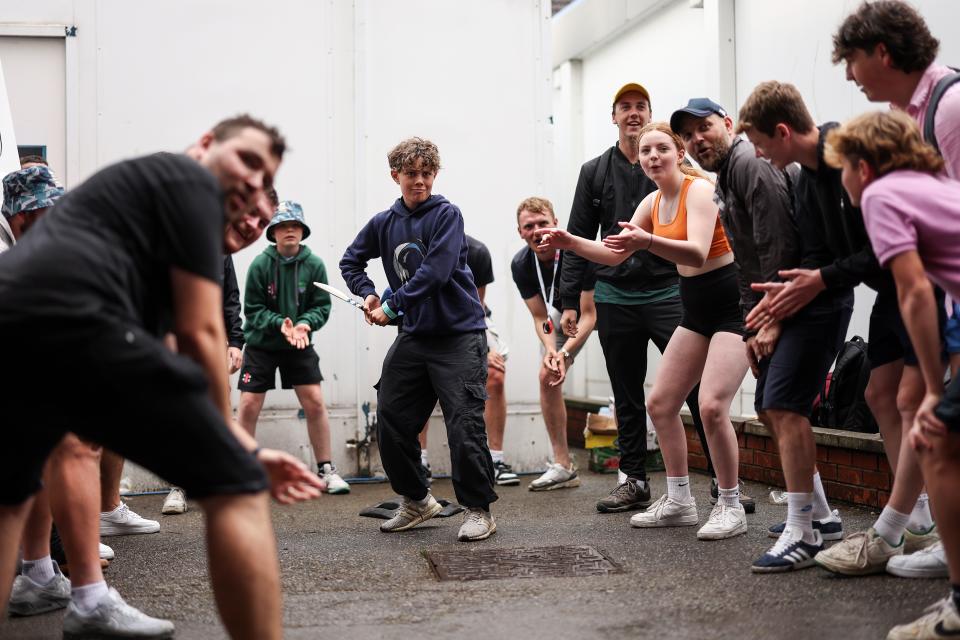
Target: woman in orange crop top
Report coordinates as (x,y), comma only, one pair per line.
(680,222)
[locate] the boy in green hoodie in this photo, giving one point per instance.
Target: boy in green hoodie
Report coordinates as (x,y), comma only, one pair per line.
(282,311)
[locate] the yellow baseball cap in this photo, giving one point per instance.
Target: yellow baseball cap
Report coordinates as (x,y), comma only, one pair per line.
(631,86)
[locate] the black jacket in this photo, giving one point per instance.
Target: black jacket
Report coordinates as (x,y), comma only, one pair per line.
(839,245)
(624,186)
(231,305)
(757,216)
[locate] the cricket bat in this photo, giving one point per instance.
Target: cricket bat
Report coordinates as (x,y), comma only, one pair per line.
(336,293)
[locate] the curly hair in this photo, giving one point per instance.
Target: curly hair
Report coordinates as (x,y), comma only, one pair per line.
(405,155)
(772,103)
(230,127)
(897,25)
(885,140)
(664,127)
(536,205)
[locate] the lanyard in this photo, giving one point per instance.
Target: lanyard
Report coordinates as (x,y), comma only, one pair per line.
(556,269)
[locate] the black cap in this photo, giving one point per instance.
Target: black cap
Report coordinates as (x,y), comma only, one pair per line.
(699,107)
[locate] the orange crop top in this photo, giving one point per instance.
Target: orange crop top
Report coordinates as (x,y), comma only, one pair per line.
(677,230)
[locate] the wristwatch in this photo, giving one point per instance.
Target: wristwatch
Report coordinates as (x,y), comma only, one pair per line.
(566,354)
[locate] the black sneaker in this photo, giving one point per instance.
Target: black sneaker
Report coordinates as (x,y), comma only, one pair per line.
(505,476)
(748,503)
(629,496)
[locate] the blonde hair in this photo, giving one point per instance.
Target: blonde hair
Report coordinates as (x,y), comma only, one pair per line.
(684,166)
(405,155)
(885,140)
(534,204)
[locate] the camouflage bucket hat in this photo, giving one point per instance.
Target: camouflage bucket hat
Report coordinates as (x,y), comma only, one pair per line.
(29,189)
(288,211)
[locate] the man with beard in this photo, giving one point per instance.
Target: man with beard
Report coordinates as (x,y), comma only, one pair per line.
(790,360)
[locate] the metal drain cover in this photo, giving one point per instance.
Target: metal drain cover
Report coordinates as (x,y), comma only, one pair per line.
(535,562)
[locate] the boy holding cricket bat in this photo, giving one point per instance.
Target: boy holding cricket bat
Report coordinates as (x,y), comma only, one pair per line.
(441,349)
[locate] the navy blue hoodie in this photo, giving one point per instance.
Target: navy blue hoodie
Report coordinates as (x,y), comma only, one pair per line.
(424,254)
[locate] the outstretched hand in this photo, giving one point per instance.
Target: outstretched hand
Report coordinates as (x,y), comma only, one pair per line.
(760,316)
(632,238)
(290,480)
(297,335)
(554,238)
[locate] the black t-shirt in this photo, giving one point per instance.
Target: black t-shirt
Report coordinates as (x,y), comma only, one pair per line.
(479,261)
(105,250)
(524,269)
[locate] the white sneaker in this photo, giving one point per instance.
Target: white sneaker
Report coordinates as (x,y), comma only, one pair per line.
(335,484)
(929,562)
(667,512)
(725,522)
(410,514)
(940,620)
(556,476)
(477,525)
(859,554)
(122,522)
(175,503)
(113,618)
(27,598)
(106,553)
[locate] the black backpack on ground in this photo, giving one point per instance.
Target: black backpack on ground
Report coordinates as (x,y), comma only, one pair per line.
(842,405)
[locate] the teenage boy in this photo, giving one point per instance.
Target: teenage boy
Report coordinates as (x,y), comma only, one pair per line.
(913,220)
(536,273)
(889,53)
(283,309)
(776,120)
(138,251)
(637,301)
(790,359)
(441,349)
(495,409)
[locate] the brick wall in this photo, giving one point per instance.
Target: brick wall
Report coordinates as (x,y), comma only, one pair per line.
(853,466)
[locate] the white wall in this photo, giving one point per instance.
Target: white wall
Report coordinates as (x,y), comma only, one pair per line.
(680,51)
(344,81)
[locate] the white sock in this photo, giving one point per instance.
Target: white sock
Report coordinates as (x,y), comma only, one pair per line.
(424,460)
(891,524)
(729,497)
(679,488)
(87,597)
(496,455)
(920,519)
(800,515)
(39,570)
(821,508)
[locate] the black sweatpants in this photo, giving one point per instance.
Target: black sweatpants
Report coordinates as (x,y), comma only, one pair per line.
(417,371)
(624,332)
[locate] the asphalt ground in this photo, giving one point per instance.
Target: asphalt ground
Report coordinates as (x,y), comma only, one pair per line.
(342,578)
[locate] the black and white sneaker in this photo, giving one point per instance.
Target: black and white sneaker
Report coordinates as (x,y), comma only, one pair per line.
(830,528)
(505,476)
(788,554)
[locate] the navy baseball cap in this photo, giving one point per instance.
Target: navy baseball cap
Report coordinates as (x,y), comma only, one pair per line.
(698,107)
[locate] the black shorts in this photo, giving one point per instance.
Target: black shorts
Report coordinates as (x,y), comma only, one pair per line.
(711,302)
(119,387)
(297,366)
(791,378)
(888,340)
(949,408)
